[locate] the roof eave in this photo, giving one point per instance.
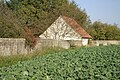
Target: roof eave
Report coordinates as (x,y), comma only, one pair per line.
(87,37)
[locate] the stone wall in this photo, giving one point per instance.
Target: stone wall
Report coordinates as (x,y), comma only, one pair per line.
(105,42)
(12,46)
(75,43)
(43,43)
(50,43)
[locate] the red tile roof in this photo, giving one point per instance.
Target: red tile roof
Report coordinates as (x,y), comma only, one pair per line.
(71,22)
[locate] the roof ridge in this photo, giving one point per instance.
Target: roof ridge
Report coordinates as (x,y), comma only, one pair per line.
(74,25)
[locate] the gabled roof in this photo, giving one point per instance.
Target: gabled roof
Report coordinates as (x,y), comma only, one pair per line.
(74,25)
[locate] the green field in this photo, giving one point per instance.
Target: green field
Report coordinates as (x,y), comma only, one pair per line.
(93,63)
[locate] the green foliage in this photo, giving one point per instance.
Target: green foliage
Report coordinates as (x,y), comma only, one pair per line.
(103,31)
(9,25)
(40,14)
(96,63)
(9,60)
(13,59)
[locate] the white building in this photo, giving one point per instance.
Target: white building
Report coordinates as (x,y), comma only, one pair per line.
(65,28)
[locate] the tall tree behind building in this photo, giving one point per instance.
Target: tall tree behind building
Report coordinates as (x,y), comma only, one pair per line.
(9,25)
(40,14)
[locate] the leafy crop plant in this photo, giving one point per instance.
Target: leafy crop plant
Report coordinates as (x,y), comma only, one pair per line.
(93,63)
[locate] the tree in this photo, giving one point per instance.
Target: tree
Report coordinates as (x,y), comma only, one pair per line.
(112,33)
(104,31)
(40,14)
(9,25)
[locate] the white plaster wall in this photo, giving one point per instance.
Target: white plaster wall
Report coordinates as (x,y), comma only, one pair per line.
(84,42)
(60,30)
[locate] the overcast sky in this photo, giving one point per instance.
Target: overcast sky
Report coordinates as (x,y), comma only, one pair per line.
(107,11)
